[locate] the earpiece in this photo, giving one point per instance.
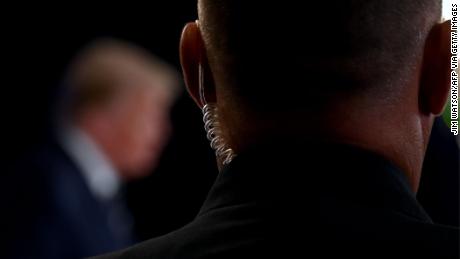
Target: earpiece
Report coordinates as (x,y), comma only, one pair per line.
(212,124)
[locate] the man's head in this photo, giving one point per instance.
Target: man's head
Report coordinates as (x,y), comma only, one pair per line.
(120,95)
(372,73)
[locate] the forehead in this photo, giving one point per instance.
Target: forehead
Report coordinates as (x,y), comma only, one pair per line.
(141,95)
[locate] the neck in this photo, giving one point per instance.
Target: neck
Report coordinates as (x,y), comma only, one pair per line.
(396,136)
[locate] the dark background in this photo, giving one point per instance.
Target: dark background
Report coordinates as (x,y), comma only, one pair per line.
(39,41)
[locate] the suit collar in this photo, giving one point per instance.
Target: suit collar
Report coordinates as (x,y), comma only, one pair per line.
(286,174)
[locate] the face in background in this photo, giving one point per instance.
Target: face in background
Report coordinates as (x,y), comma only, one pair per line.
(137,129)
(123,98)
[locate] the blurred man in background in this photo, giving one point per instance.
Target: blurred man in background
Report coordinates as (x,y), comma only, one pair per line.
(320,114)
(112,122)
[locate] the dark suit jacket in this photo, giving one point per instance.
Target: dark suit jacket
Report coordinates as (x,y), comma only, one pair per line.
(51,213)
(439,187)
(306,201)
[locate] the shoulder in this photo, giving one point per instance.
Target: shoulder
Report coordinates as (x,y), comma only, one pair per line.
(161,247)
(222,233)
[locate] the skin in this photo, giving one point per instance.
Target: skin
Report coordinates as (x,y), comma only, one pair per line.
(400,134)
(132,131)
(132,127)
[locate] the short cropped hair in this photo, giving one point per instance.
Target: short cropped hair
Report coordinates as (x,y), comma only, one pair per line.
(265,51)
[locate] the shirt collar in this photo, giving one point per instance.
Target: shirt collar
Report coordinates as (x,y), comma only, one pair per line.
(97,170)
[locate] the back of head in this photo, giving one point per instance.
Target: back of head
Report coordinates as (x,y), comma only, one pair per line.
(323,70)
(295,51)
